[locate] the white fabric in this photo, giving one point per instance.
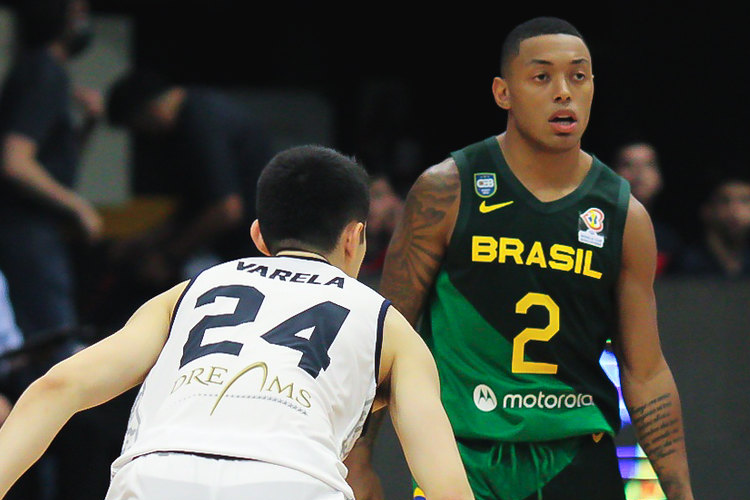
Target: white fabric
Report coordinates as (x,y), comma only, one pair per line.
(174,476)
(256,402)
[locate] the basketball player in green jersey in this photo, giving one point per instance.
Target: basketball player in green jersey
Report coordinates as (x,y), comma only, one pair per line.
(524,255)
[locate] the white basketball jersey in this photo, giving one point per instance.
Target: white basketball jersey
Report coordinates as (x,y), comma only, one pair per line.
(272,359)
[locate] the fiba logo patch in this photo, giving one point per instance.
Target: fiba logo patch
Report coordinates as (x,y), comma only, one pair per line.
(590,227)
(484,398)
(485,184)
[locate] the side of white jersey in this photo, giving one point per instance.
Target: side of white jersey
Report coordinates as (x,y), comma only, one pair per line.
(272,359)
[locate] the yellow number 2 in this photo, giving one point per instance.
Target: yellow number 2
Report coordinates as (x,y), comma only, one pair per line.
(519,364)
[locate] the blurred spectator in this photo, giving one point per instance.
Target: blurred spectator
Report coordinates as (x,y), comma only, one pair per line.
(10,338)
(638,163)
(723,250)
(44,124)
(39,159)
(216,150)
(387,138)
(385,210)
(5,408)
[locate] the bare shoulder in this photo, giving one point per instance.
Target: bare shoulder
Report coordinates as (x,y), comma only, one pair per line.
(439,178)
(400,340)
(433,200)
(421,237)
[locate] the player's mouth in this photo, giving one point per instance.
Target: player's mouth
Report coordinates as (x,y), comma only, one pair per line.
(563,122)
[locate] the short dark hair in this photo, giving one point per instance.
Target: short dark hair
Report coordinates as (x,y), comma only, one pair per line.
(41,22)
(529,29)
(130,94)
(307,195)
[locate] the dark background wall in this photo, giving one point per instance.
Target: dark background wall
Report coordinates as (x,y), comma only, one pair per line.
(671,74)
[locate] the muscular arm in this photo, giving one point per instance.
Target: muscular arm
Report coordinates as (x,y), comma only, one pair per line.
(412,261)
(86,379)
(419,419)
(421,237)
(648,387)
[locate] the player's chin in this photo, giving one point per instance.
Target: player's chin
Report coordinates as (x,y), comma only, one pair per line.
(561,143)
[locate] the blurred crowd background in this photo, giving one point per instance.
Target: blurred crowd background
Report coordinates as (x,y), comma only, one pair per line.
(131,132)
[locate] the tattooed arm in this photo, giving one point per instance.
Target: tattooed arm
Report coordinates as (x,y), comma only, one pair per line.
(648,387)
(412,261)
(418,245)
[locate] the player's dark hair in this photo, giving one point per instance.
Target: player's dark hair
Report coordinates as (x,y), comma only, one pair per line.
(534,27)
(307,195)
(130,94)
(40,22)
(732,170)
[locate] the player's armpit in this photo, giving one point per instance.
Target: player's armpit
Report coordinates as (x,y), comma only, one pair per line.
(421,236)
(418,416)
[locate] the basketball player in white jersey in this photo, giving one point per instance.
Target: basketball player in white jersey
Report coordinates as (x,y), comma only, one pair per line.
(258,375)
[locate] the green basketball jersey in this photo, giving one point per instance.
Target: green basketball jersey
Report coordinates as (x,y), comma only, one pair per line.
(524,304)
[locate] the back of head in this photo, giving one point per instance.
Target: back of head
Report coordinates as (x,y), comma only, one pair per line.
(529,29)
(131,93)
(307,195)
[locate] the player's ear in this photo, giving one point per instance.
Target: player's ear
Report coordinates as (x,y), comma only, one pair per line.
(354,236)
(500,93)
(258,238)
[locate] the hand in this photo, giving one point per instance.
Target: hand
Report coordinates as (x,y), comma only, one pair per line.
(89,220)
(91,101)
(362,477)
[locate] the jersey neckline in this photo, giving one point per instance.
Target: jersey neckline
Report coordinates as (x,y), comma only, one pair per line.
(304,257)
(521,191)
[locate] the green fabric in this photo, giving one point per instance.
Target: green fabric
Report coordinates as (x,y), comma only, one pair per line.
(513,471)
(460,351)
(540,276)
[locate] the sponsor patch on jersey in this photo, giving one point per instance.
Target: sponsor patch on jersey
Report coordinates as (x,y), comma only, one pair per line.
(485,184)
(484,398)
(591,226)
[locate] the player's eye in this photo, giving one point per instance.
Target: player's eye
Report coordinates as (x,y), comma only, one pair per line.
(541,77)
(579,76)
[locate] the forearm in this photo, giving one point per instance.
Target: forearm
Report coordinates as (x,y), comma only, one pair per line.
(33,423)
(31,177)
(655,411)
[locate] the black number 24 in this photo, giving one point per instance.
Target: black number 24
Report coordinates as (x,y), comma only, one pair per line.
(325,319)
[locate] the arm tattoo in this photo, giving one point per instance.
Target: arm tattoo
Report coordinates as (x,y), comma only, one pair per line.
(660,434)
(418,245)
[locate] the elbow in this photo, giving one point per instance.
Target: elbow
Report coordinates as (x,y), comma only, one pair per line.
(55,385)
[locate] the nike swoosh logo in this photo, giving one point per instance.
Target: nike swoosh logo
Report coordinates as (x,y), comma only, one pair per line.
(485,208)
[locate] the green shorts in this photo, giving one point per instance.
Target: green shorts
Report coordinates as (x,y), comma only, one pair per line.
(579,467)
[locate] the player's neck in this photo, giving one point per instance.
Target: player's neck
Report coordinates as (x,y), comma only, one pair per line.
(303,253)
(547,174)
